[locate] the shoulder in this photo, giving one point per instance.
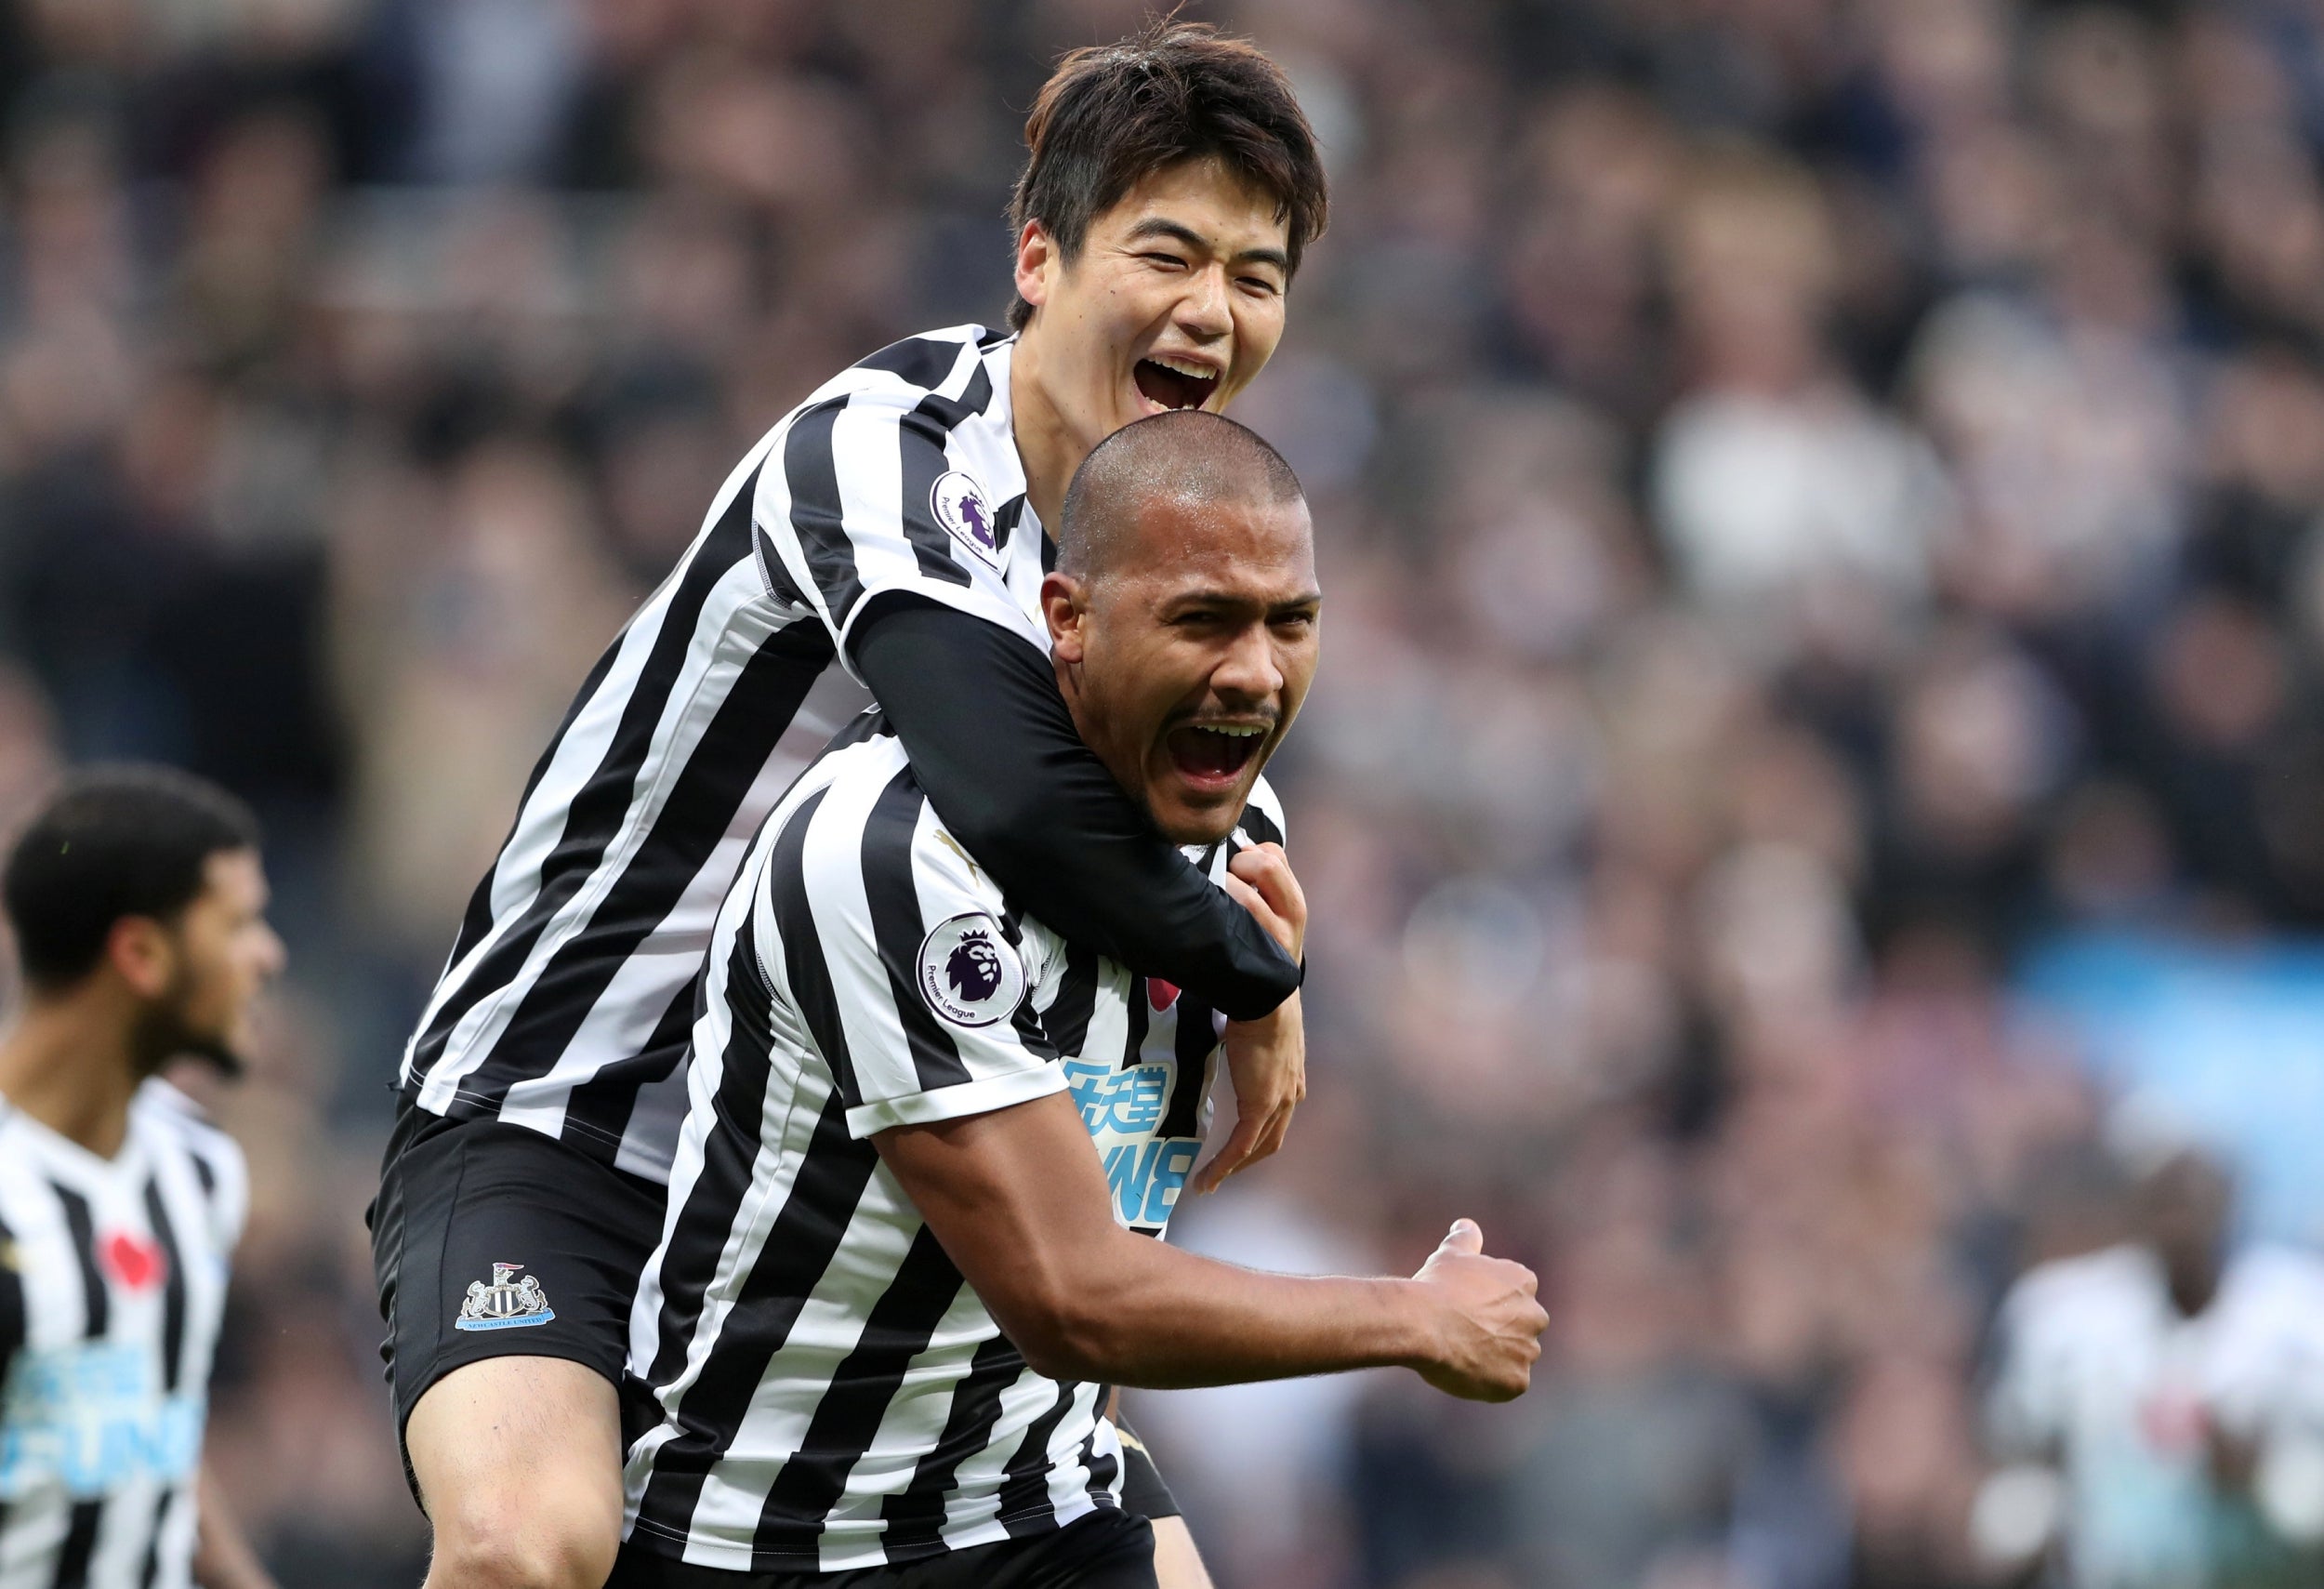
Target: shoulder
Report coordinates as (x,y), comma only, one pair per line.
(173,1117)
(2109,1281)
(948,364)
(2277,1279)
(173,1124)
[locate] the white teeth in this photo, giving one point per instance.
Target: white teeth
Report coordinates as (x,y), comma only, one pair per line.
(1235,733)
(1197,371)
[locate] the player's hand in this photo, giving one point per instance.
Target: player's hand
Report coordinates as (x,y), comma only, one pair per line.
(1267,1058)
(1258,879)
(1490,1336)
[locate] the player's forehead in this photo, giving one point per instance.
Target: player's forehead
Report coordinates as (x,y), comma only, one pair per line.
(1229,212)
(233,881)
(1248,544)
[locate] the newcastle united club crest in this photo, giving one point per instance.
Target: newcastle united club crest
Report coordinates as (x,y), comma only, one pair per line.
(507,1303)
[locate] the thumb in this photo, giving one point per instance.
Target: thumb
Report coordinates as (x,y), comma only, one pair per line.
(1463,1237)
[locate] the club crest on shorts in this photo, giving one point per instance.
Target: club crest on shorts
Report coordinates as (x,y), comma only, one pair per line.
(507,1303)
(960,506)
(969,972)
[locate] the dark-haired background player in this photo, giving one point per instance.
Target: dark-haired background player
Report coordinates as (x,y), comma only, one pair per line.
(890,534)
(139,907)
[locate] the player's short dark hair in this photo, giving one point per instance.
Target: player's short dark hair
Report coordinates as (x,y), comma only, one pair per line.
(1186,453)
(1110,115)
(114,841)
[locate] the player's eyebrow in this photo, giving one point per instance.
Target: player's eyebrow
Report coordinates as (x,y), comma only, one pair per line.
(1155,226)
(1187,600)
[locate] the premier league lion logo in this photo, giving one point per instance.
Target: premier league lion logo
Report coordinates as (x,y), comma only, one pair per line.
(973,969)
(959,506)
(970,972)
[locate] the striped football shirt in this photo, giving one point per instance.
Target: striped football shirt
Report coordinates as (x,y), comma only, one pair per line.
(829,1394)
(112,1284)
(565,1004)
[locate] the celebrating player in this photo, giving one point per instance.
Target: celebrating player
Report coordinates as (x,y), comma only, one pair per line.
(139,907)
(890,533)
(896,1279)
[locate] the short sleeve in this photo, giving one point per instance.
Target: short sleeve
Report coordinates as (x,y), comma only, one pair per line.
(931,980)
(863,496)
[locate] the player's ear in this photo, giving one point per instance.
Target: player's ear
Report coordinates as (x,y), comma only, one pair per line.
(143,953)
(1037,262)
(1065,609)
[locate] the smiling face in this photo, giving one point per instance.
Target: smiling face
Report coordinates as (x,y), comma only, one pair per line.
(1186,660)
(1174,301)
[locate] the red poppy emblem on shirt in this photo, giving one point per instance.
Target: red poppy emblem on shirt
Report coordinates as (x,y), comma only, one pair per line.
(134,1261)
(1160,993)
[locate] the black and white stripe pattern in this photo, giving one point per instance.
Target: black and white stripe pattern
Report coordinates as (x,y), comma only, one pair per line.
(565,1002)
(832,1395)
(113,1286)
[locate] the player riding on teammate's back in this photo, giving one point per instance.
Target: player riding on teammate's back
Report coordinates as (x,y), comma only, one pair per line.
(896,1280)
(891,531)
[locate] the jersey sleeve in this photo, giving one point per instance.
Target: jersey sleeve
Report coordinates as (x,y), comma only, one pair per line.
(861,497)
(927,1007)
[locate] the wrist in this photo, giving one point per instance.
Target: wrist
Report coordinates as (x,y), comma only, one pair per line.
(1417,1328)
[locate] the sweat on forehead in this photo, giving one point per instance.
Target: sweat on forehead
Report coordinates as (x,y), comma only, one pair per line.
(1189,456)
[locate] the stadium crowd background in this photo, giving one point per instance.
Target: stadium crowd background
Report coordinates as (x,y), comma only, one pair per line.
(1817,497)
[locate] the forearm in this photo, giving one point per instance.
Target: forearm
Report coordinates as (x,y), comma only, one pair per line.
(223,1556)
(994,746)
(1150,1317)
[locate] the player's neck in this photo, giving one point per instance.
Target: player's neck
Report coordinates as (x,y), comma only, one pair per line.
(1047,446)
(69,1063)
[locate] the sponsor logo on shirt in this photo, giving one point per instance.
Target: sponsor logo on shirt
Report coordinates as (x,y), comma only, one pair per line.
(1144,1173)
(92,1417)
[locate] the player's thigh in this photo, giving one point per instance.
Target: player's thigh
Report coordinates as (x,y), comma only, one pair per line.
(1177,1564)
(519,1465)
(504,1372)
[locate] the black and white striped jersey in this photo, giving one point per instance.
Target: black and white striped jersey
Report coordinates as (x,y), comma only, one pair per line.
(830,1393)
(112,1282)
(565,1004)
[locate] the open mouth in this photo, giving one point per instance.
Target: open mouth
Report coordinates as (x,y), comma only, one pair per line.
(1214,755)
(1172,383)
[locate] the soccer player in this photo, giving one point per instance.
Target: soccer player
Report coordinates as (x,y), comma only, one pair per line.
(139,907)
(896,1278)
(2160,1403)
(891,533)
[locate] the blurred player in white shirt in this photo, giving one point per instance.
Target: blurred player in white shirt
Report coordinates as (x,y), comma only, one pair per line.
(2160,1403)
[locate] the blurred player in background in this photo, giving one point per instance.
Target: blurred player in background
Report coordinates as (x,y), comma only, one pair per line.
(895,1281)
(138,907)
(890,534)
(2162,1398)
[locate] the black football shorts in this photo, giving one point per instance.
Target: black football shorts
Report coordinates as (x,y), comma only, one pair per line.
(1144,1492)
(1107,1549)
(492,1241)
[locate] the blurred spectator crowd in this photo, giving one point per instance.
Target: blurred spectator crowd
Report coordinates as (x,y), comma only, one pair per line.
(1816,495)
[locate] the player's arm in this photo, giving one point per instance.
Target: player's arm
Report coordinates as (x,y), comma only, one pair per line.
(995,749)
(223,1556)
(994,746)
(847,519)
(1018,1200)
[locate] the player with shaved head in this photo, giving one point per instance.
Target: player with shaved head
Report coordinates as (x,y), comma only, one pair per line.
(929,1136)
